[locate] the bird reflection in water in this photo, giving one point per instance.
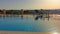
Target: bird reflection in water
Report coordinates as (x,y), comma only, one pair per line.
(38,17)
(41,17)
(21,17)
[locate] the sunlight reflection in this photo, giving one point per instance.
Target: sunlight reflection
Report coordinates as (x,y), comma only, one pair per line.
(55,33)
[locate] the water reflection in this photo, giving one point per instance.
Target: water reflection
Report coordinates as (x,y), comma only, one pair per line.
(41,17)
(21,17)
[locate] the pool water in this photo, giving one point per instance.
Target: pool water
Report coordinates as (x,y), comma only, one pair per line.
(28,24)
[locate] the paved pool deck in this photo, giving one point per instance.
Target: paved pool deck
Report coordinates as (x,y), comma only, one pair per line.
(18,32)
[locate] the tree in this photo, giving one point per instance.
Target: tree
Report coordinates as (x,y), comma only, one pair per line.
(11,11)
(22,11)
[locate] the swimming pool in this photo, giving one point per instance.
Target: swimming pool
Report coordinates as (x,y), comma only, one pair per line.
(28,24)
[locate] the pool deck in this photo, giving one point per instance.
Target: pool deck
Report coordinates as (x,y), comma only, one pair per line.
(18,32)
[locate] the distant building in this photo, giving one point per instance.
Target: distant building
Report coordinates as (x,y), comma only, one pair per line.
(1,12)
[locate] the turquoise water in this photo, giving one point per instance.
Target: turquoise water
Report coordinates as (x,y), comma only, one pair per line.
(27,24)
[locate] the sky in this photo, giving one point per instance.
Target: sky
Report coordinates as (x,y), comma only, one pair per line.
(29,4)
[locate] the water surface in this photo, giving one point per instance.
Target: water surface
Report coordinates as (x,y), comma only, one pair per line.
(29,24)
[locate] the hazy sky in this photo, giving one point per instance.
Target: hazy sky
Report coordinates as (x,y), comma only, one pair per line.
(29,4)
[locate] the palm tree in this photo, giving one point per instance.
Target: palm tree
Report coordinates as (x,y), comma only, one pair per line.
(36,11)
(22,12)
(11,12)
(4,12)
